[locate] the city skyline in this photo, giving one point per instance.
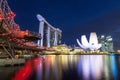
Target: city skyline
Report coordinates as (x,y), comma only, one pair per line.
(74,18)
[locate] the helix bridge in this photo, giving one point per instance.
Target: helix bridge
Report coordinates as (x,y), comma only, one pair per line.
(11,36)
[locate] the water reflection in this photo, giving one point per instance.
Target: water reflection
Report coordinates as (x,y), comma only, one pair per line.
(114,67)
(71,67)
(91,66)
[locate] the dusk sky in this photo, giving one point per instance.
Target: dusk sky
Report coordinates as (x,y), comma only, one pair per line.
(73,17)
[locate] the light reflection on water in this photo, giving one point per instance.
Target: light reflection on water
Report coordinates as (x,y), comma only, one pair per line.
(71,67)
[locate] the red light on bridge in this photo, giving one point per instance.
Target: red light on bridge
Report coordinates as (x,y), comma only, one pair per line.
(1,17)
(10,15)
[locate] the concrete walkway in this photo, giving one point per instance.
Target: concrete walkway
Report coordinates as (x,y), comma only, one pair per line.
(10,62)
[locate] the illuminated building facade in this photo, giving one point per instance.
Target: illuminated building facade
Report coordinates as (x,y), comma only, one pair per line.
(92,45)
(107,43)
(50,36)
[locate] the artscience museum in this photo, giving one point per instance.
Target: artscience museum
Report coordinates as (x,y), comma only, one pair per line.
(92,44)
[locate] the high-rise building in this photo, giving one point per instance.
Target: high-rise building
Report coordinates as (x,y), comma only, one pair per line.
(51,36)
(107,43)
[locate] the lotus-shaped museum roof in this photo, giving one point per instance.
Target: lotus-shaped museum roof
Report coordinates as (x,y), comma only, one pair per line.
(92,44)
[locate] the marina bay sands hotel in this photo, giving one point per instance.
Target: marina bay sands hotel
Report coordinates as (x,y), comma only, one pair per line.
(50,36)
